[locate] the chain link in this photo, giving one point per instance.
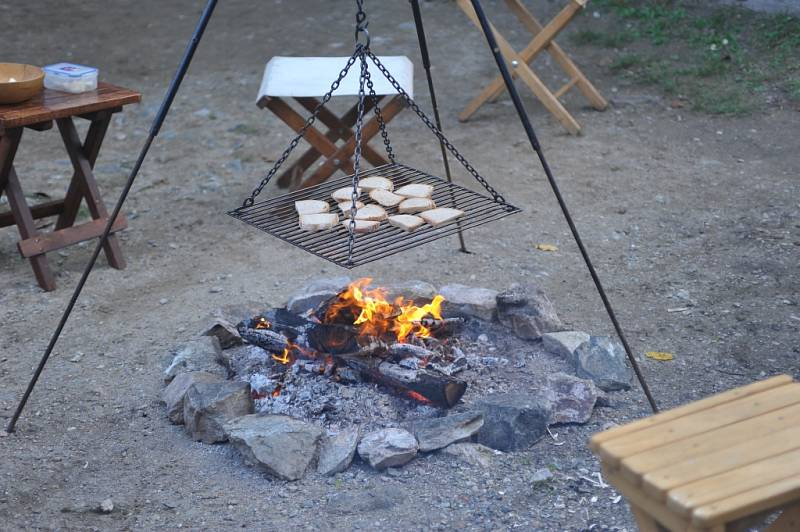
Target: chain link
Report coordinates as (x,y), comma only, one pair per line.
(351,238)
(379,117)
(427,121)
(309,122)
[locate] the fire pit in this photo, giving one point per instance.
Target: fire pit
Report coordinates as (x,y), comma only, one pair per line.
(388,371)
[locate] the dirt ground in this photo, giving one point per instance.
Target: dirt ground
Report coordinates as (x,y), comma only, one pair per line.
(678,210)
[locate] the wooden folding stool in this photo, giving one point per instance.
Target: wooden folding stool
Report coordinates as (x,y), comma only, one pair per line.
(520,62)
(306,80)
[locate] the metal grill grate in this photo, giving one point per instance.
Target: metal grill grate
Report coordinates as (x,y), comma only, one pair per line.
(277,216)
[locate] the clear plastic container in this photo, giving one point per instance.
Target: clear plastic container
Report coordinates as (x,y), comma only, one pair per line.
(70,78)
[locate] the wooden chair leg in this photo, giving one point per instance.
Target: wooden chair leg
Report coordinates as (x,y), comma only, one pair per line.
(369,130)
(88,186)
(343,126)
(561,58)
(645,521)
(91,148)
(528,76)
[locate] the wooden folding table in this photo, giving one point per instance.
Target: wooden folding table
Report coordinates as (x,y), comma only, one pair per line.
(306,80)
(39,114)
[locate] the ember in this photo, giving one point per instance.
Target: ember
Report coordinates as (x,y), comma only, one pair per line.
(369,309)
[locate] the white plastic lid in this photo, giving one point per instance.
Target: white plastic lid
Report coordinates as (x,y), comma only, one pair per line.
(69,70)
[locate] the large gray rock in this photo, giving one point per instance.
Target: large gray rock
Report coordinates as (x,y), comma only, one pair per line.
(513,421)
(440,432)
(564,343)
(388,448)
(172,396)
(602,360)
(461,300)
(471,453)
(419,292)
(337,451)
(207,406)
(195,355)
(225,332)
(281,445)
(244,359)
(316,292)
(527,311)
(571,399)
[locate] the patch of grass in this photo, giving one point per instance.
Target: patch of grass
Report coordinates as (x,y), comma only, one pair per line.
(724,60)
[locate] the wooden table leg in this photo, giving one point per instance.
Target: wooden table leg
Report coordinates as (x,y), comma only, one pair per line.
(19,207)
(788,521)
(87,183)
(91,148)
(645,521)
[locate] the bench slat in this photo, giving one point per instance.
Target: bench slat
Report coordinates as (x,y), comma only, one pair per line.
(691,408)
(659,482)
(702,422)
(684,499)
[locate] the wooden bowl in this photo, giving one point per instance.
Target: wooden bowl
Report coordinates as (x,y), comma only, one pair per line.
(19,82)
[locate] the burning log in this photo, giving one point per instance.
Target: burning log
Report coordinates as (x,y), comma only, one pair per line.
(416,383)
(272,341)
(399,351)
(444,326)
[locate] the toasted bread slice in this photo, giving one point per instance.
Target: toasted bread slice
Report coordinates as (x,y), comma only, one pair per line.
(376,182)
(371,212)
(344,206)
(412,205)
(415,190)
(311,206)
(385,198)
(362,226)
(441,216)
(318,222)
(344,194)
(406,222)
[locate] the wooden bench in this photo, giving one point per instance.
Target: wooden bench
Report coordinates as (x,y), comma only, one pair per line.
(724,463)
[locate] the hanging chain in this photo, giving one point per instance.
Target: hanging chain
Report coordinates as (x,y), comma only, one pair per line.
(361,23)
(379,117)
(452,149)
(309,122)
(351,238)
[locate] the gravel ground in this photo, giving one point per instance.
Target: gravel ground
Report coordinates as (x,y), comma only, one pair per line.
(678,210)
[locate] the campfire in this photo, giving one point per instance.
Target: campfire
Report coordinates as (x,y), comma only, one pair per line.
(398,343)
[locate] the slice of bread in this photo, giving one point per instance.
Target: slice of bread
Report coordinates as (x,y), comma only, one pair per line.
(406,222)
(371,212)
(441,216)
(415,190)
(362,226)
(412,205)
(345,207)
(344,194)
(311,206)
(318,222)
(385,198)
(376,182)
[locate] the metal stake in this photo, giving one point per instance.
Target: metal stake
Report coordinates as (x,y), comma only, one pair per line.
(426,64)
(526,123)
(154,129)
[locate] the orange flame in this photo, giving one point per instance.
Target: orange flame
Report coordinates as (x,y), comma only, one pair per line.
(417,396)
(377,317)
(262,323)
(283,358)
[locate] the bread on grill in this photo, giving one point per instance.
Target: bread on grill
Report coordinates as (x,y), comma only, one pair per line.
(376,182)
(318,222)
(415,190)
(406,222)
(311,206)
(440,216)
(412,205)
(385,198)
